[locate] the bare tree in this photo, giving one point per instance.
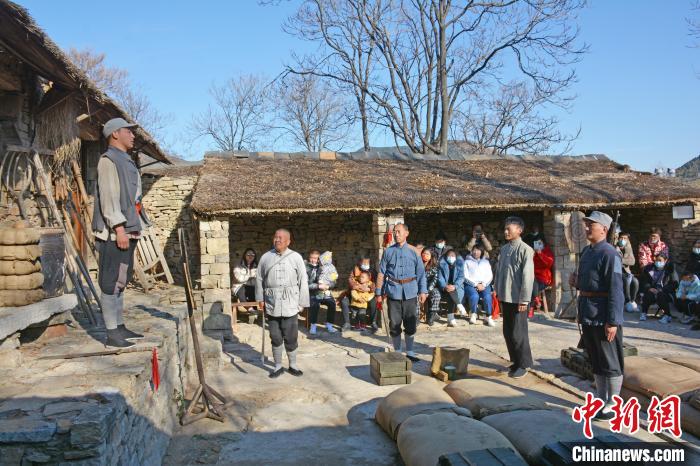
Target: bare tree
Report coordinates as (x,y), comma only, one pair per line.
(346,55)
(508,121)
(694,25)
(117,84)
(237,118)
(310,113)
(432,56)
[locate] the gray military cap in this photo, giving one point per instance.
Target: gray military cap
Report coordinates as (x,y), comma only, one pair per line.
(600,217)
(115,124)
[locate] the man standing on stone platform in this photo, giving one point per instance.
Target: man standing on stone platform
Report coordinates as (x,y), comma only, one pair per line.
(282,290)
(515,275)
(117,222)
(600,309)
(401,279)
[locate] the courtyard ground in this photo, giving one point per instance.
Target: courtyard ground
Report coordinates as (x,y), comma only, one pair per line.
(327,416)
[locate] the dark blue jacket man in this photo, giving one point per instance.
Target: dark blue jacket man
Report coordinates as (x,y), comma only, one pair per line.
(401,278)
(600,309)
(452,275)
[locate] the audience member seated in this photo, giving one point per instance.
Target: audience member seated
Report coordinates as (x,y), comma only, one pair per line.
(244,277)
(322,276)
(478,276)
(658,282)
(440,247)
(688,297)
(432,305)
(544,260)
(451,283)
(533,235)
(651,247)
(360,298)
(362,265)
(694,259)
(629,281)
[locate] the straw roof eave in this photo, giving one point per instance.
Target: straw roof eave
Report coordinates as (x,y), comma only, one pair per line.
(22,37)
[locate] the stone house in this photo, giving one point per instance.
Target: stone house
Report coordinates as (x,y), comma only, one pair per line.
(344,202)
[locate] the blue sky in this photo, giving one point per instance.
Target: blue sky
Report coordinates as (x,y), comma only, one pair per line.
(638,91)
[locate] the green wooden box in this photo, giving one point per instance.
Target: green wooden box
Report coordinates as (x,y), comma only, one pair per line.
(390,368)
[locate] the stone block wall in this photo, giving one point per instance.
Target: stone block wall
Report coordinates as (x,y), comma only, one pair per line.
(215,273)
(348,236)
(167,200)
(380,225)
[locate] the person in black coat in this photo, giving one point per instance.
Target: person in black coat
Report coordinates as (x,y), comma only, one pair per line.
(694,259)
(658,283)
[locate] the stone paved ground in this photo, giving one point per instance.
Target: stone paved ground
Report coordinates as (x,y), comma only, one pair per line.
(326,416)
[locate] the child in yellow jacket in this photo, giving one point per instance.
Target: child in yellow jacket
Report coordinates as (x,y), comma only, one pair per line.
(359,301)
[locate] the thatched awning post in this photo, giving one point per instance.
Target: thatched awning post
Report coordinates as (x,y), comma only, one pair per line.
(215,270)
(381,224)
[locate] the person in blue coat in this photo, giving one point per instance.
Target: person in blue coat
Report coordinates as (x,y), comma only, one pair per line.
(451,284)
(600,309)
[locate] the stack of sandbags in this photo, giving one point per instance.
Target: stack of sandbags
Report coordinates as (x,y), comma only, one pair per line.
(418,398)
(21,279)
(485,397)
(424,438)
(647,377)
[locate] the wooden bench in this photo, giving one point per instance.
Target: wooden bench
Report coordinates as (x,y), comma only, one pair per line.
(247,305)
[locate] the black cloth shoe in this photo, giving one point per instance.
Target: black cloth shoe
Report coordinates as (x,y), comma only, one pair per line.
(295,372)
(412,358)
(517,373)
(128,334)
(277,373)
(116,340)
(601,416)
(508,369)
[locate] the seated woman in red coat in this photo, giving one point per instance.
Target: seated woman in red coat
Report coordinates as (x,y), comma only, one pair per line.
(544,260)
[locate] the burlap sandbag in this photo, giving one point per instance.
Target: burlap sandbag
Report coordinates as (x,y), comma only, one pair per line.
(690,363)
(530,431)
(424,437)
(20,253)
(13,298)
(655,376)
(14,236)
(21,282)
(420,397)
(484,397)
(19,267)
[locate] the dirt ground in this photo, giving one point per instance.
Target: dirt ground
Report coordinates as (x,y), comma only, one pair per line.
(327,416)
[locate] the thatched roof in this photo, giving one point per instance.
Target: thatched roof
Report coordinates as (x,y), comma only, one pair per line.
(22,37)
(271,183)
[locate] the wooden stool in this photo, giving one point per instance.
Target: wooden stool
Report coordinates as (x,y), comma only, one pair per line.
(248,305)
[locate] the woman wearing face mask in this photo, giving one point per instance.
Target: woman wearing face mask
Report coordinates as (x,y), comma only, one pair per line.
(650,248)
(659,281)
(694,259)
(478,276)
(630,282)
(432,306)
(451,283)
(362,265)
(440,247)
(544,260)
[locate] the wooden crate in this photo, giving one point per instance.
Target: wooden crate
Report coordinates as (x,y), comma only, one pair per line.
(489,456)
(390,368)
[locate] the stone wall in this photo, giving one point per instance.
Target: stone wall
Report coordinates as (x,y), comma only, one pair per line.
(215,274)
(167,200)
(349,236)
(101,411)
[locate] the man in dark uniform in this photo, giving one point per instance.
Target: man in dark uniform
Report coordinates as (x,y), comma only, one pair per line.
(600,309)
(402,278)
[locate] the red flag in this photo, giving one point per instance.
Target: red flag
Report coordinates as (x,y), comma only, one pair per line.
(155,373)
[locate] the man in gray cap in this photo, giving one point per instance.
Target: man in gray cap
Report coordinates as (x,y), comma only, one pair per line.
(600,309)
(117,222)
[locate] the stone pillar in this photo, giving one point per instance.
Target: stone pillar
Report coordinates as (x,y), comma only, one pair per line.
(380,225)
(215,273)
(556,224)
